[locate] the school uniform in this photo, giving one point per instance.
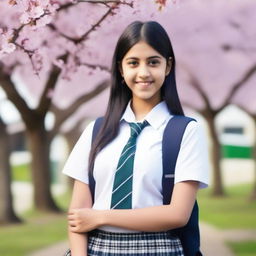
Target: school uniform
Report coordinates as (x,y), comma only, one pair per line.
(192,164)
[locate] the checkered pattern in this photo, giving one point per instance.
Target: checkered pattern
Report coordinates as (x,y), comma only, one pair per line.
(102,243)
(67,253)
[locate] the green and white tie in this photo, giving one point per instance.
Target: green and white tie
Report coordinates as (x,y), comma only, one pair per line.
(122,188)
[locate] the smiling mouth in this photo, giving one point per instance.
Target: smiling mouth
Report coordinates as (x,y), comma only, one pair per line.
(145,83)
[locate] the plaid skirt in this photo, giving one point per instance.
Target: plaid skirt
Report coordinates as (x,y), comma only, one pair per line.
(102,243)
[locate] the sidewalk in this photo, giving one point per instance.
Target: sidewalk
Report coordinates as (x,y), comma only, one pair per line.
(56,249)
(213,242)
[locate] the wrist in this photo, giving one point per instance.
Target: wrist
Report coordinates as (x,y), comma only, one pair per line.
(101,217)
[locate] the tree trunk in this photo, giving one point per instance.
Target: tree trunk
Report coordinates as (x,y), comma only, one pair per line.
(218,189)
(7,214)
(72,137)
(253,194)
(39,145)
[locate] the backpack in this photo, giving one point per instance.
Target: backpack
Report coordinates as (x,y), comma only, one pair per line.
(175,128)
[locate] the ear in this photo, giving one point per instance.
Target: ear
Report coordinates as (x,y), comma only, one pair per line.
(120,68)
(168,66)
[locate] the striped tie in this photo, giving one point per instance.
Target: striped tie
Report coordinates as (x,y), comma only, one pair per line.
(122,188)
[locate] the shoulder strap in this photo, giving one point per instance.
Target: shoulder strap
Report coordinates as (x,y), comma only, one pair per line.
(189,234)
(95,131)
(171,142)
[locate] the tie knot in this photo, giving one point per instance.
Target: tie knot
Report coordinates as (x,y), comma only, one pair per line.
(136,128)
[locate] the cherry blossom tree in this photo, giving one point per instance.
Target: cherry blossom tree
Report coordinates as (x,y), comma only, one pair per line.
(68,46)
(215,68)
(22,54)
(48,47)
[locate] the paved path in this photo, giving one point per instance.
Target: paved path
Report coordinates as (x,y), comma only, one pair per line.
(212,242)
(54,250)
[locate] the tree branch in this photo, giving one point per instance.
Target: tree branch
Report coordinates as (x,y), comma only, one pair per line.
(65,7)
(86,34)
(239,85)
(105,2)
(194,82)
(46,99)
(14,96)
(94,66)
(63,114)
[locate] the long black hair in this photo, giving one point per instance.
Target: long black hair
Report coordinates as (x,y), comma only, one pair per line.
(153,34)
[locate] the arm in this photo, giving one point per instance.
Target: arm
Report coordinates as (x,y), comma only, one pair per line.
(158,218)
(155,218)
(81,197)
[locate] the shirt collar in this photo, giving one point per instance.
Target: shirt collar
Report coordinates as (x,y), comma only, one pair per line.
(156,117)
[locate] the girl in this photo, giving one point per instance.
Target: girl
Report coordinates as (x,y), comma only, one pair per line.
(128,216)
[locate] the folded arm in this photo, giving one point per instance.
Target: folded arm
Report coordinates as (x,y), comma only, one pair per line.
(155,218)
(81,198)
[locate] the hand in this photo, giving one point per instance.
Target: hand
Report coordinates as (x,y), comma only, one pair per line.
(84,220)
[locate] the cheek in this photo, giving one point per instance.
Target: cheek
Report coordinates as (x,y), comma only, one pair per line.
(159,76)
(129,75)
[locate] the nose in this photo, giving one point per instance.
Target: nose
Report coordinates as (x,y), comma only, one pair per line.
(143,71)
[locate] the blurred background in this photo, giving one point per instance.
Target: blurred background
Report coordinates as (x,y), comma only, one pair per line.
(55,59)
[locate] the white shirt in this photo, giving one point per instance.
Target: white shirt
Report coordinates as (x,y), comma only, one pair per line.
(192,161)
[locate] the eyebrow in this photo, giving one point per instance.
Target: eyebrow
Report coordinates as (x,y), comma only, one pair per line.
(151,57)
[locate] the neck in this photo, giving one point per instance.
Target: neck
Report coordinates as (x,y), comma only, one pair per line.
(142,107)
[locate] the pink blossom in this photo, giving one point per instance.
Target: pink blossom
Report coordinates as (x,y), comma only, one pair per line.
(6,46)
(36,12)
(37,61)
(216,46)
(25,18)
(58,62)
(47,19)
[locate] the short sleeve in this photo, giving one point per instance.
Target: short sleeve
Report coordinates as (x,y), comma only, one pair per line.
(77,163)
(193,162)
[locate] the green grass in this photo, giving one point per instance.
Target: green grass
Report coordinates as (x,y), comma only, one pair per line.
(38,230)
(19,240)
(247,248)
(235,210)
(21,173)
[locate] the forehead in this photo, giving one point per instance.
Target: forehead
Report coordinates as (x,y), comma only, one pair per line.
(142,50)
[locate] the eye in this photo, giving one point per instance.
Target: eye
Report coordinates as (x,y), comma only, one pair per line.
(153,62)
(133,63)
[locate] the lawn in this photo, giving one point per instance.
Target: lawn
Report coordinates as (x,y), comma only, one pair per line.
(37,231)
(235,210)
(21,173)
(247,248)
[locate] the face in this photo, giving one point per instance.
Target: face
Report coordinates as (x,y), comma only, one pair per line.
(144,71)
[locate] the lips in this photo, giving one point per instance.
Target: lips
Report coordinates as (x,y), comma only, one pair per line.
(144,83)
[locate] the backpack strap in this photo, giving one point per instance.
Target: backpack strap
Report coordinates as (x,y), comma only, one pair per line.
(95,131)
(171,142)
(189,234)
